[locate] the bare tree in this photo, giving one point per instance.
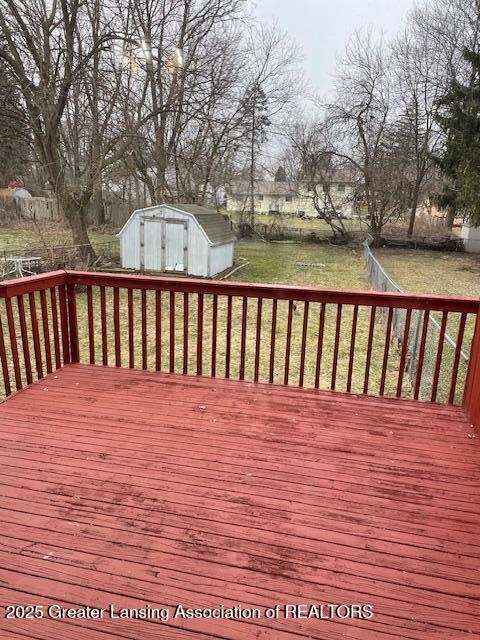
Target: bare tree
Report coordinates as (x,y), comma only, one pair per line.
(313,168)
(418,69)
(360,117)
(47,48)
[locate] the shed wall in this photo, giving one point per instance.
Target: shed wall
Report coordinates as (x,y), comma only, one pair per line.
(221,258)
(198,246)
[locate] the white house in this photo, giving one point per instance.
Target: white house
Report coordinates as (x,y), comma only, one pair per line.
(289,198)
(183,238)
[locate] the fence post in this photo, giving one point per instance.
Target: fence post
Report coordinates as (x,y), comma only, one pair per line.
(471,395)
(72,321)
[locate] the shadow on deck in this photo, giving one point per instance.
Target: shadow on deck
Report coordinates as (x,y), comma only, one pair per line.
(129,488)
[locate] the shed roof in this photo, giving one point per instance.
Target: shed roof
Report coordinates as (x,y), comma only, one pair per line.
(218,230)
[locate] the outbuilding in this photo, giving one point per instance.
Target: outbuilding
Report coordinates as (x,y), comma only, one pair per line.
(183,238)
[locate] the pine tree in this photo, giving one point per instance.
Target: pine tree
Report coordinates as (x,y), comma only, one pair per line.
(255,107)
(460,162)
(280,174)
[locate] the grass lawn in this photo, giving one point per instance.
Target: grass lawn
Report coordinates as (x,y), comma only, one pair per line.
(282,263)
(320,227)
(300,264)
(439,273)
(433,271)
(52,235)
(273,263)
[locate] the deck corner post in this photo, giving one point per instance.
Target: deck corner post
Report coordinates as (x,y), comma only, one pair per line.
(471,395)
(72,321)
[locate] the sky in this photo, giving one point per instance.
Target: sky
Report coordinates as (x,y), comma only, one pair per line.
(322,28)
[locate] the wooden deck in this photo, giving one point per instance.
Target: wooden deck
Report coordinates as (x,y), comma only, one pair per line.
(129,488)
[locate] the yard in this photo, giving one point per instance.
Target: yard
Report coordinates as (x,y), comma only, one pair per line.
(279,263)
(50,235)
(433,271)
(319,227)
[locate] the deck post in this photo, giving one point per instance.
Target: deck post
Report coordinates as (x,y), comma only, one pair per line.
(72,321)
(471,395)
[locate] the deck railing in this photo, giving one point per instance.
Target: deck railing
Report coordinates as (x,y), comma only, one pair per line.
(310,337)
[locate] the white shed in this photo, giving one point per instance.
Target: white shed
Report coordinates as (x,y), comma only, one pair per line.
(184,238)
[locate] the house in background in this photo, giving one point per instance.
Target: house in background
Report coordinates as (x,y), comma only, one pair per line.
(180,238)
(292,198)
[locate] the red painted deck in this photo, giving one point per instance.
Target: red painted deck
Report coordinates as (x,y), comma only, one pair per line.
(131,488)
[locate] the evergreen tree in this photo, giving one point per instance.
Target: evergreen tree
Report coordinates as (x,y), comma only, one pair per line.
(255,107)
(280,174)
(459,117)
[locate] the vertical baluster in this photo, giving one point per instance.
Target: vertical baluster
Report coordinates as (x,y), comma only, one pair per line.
(36,335)
(288,343)
(116,326)
(351,356)
(172,331)
(103,322)
(3,360)
(336,347)
(200,334)
(368,359)
(62,294)
(73,323)
(13,344)
(273,337)
(56,334)
(46,331)
(144,329)
(214,334)
(91,328)
(185,332)
(456,359)
(258,336)
(421,354)
(158,330)
(243,334)
(438,361)
(131,330)
(403,353)
(24,336)
(321,328)
(228,338)
(386,350)
(303,348)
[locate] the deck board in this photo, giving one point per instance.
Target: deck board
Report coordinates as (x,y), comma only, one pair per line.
(126,487)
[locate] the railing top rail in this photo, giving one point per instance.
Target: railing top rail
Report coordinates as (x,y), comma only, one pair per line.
(277,291)
(19,286)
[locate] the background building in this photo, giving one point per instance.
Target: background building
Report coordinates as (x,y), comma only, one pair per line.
(291,198)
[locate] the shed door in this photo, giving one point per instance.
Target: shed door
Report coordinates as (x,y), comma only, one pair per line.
(152,245)
(175,246)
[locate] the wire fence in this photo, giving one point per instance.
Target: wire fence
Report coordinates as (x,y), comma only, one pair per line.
(381,281)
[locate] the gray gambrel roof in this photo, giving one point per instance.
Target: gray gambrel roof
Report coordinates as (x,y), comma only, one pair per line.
(214,224)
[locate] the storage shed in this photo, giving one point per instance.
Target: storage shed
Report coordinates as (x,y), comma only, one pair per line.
(184,238)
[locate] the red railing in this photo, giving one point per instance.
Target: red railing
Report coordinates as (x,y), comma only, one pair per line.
(340,340)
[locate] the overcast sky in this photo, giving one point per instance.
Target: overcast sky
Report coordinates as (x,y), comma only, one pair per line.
(323,27)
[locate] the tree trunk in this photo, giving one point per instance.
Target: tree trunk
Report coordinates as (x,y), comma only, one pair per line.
(75,214)
(375,231)
(97,207)
(450,218)
(413,211)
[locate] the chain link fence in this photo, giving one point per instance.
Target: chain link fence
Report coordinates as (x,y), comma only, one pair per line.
(381,281)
